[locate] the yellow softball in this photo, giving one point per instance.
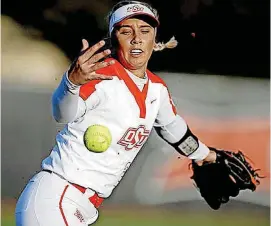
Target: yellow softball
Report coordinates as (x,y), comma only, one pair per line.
(97,138)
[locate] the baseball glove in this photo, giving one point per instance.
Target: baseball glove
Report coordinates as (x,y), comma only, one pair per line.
(220,180)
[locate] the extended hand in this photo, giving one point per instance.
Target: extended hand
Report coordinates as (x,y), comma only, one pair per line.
(86,65)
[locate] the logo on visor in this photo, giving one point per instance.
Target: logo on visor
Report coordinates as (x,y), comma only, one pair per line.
(135,8)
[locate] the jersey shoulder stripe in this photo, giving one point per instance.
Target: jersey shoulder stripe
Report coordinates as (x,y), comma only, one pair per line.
(87,89)
(156,79)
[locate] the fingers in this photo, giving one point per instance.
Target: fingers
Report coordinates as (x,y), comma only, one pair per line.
(102,77)
(100,65)
(90,51)
(87,63)
(92,75)
(85,44)
(98,56)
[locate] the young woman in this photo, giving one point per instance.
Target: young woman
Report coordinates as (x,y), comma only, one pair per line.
(119,93)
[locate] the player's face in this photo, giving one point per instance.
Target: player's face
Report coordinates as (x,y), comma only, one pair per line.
(136,40)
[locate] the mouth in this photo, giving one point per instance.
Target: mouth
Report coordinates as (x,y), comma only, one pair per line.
(136,52)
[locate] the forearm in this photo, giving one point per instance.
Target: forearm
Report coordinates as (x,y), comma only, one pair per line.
(66,101)
(180,137)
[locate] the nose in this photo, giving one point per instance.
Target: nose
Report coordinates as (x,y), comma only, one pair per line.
(136,39)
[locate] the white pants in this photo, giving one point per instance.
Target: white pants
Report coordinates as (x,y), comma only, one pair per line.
(48,199)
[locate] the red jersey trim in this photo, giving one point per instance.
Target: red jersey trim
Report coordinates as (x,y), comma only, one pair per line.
(155,79)
(87,89)
(140,97)
(60,205)
(118,70)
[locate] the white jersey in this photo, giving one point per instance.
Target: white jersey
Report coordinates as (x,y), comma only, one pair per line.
(129,107)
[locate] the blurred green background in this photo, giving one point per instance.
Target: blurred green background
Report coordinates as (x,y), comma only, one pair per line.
(165,216)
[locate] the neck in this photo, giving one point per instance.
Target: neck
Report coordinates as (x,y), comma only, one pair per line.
(138,72)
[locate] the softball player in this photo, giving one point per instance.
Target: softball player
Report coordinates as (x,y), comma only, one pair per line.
(119,93)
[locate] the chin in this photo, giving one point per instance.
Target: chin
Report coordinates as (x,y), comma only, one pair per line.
(137,63)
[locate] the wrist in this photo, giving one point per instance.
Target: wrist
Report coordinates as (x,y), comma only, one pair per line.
(71,85)
(210,158)
(72,80)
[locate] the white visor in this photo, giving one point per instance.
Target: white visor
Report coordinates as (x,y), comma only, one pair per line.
(128,11)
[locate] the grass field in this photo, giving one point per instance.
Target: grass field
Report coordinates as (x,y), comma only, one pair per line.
(130,216)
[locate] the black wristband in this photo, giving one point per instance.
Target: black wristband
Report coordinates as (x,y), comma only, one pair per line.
(187,145)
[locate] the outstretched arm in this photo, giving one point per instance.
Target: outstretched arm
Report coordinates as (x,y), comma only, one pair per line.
(174,130)
(178,135)
(67,104)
